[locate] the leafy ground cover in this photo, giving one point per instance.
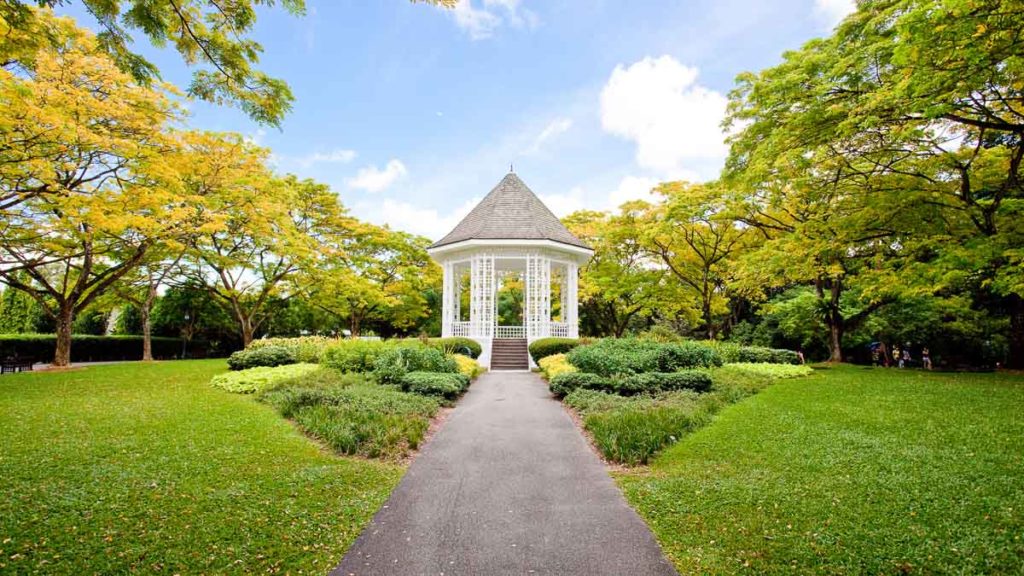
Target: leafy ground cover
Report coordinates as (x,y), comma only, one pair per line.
(849,471)
(146,468)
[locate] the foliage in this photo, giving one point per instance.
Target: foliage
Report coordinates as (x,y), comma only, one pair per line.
(393,364)
(651,382)
(213,482)
(631,436)
(732,353)
(774,371)
(543,347)
(261,378)
(933,455)
(19,312)
(457,345)
(445,385)
(467,366)
(551,366)
(354,355)
(88,348)
(355,417)
(308,349)
(583,400)
(262,356)
(623,356)
(567,382)
(87,186)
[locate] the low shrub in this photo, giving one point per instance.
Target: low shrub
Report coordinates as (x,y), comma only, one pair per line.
(565,383)
(551,366)
(651,382)
(445,385)
(352,415)
(353,355)
(733,353)
(585,401)
(264,378)
(306,349)
(467,366)
(633,434)
(394,363)
(773,371)
(262,356)
(457,345)
(544,347)
(626,356)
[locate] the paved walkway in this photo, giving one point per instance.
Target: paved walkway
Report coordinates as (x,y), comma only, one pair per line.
(508,486)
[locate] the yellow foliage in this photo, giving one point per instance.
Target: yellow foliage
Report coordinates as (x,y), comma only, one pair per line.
(468,366)
(551,366)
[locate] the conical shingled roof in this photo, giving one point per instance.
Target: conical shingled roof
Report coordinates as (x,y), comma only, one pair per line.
(511,211)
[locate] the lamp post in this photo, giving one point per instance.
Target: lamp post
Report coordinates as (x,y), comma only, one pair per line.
(184,340)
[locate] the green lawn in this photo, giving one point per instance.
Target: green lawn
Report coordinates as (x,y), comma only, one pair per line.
(849,471)
(146,468)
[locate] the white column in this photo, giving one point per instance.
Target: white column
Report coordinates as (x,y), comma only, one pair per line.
(538,296)
(572,300)
(481,305)
(447,288)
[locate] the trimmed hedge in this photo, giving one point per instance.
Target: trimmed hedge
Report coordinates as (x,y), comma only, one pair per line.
(89,348)
(457,345)
(264,356)
(545,347)
(626,356)
(442,384)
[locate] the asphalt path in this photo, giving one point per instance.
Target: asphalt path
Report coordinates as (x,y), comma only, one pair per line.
(507,486)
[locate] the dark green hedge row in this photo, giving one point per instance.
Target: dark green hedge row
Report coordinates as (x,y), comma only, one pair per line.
(446,385)
(545,347)
(628,385)
(87,348)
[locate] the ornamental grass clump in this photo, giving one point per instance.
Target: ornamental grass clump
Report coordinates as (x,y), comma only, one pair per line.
(393,364)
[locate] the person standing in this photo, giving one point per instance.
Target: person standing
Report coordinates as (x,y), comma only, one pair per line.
(905,359)
(897,355)
(926,358)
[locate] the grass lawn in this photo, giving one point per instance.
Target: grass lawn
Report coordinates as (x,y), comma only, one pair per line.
(850,471)
(146,468)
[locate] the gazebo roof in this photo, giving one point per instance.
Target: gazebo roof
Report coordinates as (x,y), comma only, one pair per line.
(511,211)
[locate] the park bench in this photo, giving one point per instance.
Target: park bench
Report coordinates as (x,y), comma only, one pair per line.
(16,364)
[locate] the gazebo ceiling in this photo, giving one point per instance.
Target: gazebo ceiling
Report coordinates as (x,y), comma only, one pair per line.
(511,211)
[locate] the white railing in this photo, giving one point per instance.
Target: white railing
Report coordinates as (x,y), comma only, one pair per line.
(510,332)
(460,329)
(561,330)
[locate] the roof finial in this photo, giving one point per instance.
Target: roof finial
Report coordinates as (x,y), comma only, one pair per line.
(511,167)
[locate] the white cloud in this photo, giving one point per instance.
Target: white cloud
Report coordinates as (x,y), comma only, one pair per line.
(554,128)
(373,179)
(337,156)
(564,204)
(480,23)
(658,104)
(633,188)
(832,12)
(256,138)
(400,215)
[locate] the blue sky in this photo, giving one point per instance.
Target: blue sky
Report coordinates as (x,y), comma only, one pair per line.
(412,113)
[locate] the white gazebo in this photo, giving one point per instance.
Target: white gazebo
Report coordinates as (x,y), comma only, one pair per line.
(510,236)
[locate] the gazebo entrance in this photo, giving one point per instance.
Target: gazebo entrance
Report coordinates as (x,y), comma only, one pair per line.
(509,242)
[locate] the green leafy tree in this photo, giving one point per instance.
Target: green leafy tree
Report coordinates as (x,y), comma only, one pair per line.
(214,36)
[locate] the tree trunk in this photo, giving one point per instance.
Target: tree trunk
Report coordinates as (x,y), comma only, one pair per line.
(65,318)
(1016,357)
(708,324)
(147,338)
(833,316)
(354,326)
(248,331)
(835,341)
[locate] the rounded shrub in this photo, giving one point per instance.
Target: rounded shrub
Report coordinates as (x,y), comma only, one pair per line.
(615,356)
(544,347)
(675,356)
(565,383)
(263,356)
(554,365)
(697,380)
(307,349)
(442,384)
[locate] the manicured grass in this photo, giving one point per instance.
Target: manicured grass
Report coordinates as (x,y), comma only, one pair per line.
(849,471)
(146,468)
